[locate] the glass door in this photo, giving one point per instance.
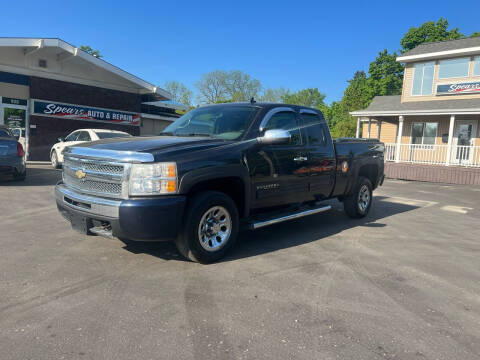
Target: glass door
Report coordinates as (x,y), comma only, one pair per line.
(464,137)
(13,113)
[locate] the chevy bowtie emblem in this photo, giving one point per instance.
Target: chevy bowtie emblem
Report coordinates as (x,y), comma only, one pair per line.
(80,174)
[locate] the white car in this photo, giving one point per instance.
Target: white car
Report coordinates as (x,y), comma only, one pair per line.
(78,137)
(19,134)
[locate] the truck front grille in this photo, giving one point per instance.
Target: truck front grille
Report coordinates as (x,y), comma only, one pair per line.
(95,177)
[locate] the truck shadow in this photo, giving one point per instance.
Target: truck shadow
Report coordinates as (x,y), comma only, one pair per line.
(288,234)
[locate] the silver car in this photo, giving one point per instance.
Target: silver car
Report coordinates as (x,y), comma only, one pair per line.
(12,155)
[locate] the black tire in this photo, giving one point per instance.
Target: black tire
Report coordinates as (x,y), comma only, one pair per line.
(54,160)
(356,205)
(20,176)
(203,208)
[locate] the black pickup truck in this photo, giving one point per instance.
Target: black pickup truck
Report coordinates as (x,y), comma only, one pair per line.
(214,170)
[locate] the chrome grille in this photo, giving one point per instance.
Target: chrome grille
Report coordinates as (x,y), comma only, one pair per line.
(96,177)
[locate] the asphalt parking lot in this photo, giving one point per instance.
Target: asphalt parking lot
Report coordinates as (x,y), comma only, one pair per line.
(404,283)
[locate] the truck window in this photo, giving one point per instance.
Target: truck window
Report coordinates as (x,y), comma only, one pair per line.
(314,129)
(288,121)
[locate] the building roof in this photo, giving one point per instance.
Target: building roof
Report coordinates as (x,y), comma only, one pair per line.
(65,51)
(439,49)
(392,106)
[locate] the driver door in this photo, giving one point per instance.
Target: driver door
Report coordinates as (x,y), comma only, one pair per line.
(279,172)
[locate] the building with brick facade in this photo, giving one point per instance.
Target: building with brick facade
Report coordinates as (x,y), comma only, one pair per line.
(49,88)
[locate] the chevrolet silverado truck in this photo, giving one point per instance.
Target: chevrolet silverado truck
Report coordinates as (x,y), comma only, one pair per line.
(217,169)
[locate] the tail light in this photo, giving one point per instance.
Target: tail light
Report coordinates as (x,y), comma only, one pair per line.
(20,151)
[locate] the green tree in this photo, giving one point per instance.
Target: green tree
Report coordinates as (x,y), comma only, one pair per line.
(358,94)
(91,51)
(310,97)
(475,34)
(429,32)
(273,95)
(386,75)
(221,86)
(241,86)
(180,93)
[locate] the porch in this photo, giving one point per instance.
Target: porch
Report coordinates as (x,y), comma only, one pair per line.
(426,141)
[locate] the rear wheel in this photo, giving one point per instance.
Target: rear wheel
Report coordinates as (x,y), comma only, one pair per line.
(20,176)
(54,160)
(210,228)
(358,204)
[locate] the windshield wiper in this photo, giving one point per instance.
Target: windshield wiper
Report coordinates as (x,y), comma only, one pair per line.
(196,134)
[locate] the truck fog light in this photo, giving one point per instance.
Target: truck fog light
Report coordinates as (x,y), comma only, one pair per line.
(153,179)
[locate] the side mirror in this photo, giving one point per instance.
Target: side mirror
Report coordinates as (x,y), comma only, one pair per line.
(277,136)
(61,139)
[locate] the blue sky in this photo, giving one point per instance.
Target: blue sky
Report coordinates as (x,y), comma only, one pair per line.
(294,44)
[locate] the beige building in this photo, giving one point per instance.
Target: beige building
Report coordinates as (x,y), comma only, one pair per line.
(432,131)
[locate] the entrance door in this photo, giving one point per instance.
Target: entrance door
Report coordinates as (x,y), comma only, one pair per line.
(14,115)
(464,138)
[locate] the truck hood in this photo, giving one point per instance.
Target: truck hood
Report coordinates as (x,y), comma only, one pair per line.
(156,145)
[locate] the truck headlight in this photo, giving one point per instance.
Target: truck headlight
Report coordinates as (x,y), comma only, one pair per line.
(153,179)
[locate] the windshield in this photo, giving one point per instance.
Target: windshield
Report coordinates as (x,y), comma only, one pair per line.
(225,122)
(109,135)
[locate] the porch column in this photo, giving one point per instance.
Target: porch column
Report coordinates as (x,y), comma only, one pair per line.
(399,138)
(369,126)
(379,124)
(357,134)
(450,139)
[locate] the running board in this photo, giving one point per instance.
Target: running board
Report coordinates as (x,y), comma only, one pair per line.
(260,224)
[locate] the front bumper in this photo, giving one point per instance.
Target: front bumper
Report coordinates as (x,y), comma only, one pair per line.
(141,219)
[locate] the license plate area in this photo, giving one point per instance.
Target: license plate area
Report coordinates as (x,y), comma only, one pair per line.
(79,223)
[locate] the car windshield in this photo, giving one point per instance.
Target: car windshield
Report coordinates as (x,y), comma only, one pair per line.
(227,122)
(109,135)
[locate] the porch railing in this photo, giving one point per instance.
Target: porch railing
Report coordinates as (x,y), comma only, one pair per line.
(433,154)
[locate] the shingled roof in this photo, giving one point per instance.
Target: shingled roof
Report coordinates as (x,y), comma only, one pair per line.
(392,105)
(445,45)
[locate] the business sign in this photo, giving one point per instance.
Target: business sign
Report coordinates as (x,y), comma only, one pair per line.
(79,112)
(462,88)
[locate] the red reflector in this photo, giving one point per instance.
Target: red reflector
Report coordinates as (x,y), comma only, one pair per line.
(20,151)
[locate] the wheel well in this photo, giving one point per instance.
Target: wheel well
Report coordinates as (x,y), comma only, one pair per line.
(232,186)
(369,171)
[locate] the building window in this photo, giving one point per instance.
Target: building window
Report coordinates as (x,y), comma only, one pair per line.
(476,66)
(424,133)
(453,68)
(423,78)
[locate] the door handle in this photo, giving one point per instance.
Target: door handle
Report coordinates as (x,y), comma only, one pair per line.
(300,158)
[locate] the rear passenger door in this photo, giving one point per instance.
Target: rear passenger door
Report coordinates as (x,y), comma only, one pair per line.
(321,155)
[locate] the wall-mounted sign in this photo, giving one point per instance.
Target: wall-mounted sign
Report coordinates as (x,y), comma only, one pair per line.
(12,101)
(79,112)
(462,88)
(14,118)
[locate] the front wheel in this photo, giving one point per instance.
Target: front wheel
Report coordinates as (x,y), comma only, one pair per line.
(357,205)
(54,160)
(210,228)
